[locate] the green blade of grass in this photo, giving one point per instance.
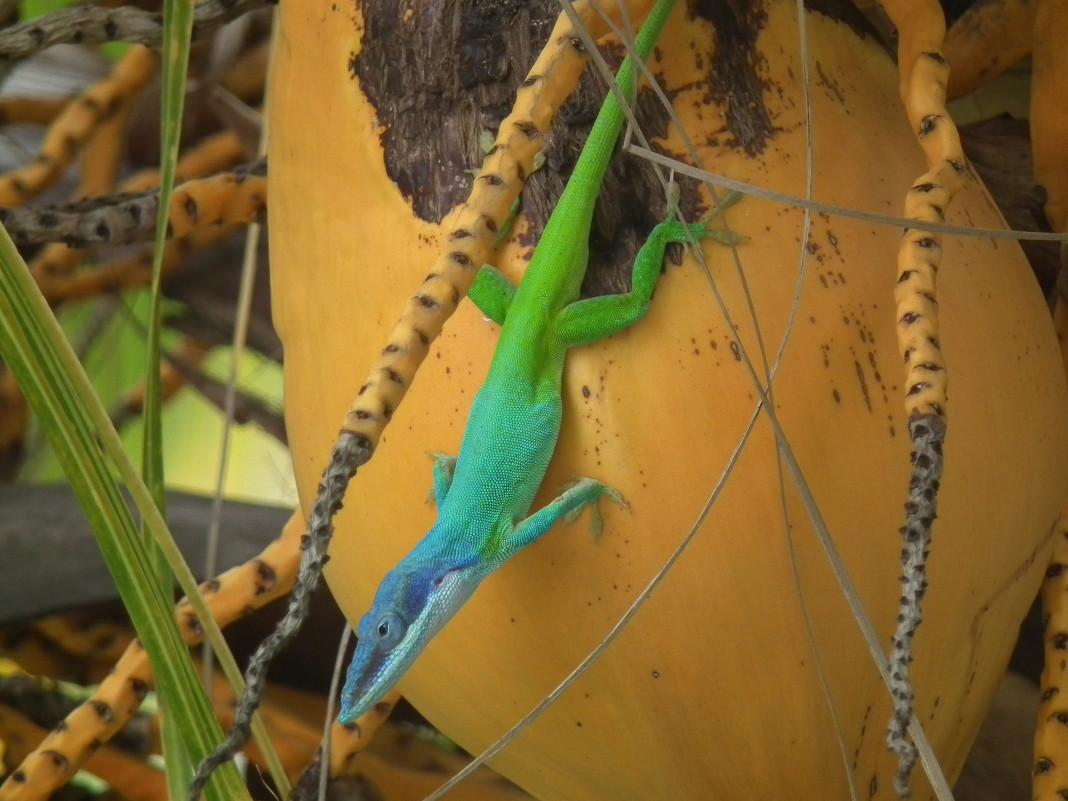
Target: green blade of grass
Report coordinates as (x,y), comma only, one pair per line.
(177,30)
(35,349)
(62,397)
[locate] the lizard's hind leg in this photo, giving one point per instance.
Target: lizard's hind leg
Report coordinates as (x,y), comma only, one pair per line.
(492,292)
(591,319)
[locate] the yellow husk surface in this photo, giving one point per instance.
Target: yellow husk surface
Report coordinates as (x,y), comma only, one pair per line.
(714,691)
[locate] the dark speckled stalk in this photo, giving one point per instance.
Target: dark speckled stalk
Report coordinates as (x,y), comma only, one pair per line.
(924,74)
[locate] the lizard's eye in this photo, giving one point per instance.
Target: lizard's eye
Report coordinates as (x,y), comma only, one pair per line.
(390,630)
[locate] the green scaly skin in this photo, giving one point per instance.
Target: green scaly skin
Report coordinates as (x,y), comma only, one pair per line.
(484,495)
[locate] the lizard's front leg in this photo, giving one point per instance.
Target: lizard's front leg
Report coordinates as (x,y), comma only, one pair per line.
(444,468)
(583,491)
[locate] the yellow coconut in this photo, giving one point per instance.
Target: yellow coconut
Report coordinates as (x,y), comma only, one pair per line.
(743,676)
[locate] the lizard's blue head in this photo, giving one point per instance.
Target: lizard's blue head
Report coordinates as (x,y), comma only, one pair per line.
(415,599)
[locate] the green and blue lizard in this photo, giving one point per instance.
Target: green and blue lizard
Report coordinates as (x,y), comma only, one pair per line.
(484,495)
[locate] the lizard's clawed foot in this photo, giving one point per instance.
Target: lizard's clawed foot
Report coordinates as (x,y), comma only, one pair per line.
(594,489)
(677,230)
(728,238)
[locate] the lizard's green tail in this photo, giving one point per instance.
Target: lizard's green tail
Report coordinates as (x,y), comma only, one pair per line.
(594,159)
